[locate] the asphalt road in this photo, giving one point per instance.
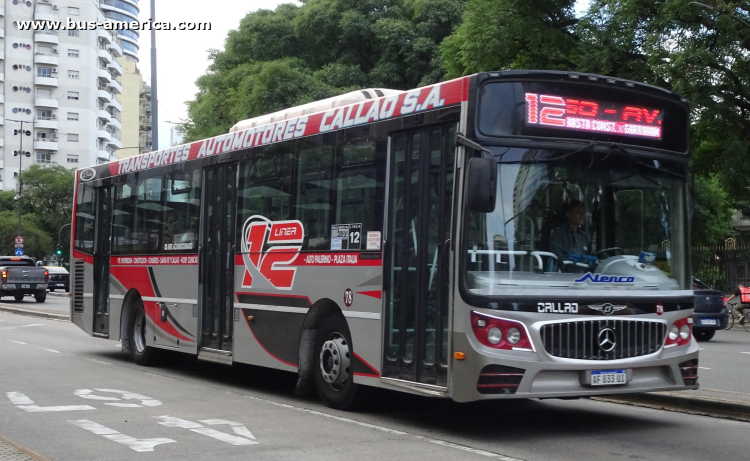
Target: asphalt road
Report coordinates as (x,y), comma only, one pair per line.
(68,396)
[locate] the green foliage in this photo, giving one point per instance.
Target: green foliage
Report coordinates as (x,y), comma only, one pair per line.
(712,223)
(37,243)
(48,200)
(298,54)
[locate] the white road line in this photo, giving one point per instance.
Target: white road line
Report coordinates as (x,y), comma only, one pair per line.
(388,430)
(53,351)
(744,352)
(26,404)
(139,445)
(704,368)
(22,326)
(17,342)
(101,362)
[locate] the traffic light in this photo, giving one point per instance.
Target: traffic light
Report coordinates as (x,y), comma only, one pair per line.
(59,251)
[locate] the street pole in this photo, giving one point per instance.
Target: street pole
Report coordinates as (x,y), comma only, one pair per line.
(154,98)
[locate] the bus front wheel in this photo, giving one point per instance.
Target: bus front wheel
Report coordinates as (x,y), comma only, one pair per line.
(334,365)
(141,353)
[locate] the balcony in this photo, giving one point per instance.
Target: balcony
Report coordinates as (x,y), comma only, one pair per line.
(114,65)
(103,134)
(116,143)
(104,94)
(2,33)
(116,123)
(2,121)
(46,37)
(2,144)
(45,144)
(116,104)
(115,49)
(50,59)
(2,98)
(104,54)
(2,76)
(47,102)
(104,115)
(46,16)
(115,86)
(103,155)
(104,35)
(104,75)
(2,13)
(46,122)
(46,81)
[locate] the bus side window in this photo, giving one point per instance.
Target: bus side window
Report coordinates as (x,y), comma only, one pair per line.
(122,221)
(315,190)
(181,211)
(85,219)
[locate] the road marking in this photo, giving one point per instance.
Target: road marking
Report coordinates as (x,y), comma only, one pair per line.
(53,351)
(17,342)
(704,368)
(101,362)
(146,401)
(471,450)
(26,404)
(139,445)
(744,352)
(386,429)
(171,421)
(22,326)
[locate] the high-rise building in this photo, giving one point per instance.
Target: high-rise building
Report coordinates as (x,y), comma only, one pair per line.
(62,83)
(133,93)
(124,10)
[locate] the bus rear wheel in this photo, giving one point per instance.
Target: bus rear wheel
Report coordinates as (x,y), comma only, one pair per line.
(141,353)
(334,365)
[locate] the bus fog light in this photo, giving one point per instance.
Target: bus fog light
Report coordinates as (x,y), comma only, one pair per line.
(674,332)
(514,336)
(494,335)
(685,332)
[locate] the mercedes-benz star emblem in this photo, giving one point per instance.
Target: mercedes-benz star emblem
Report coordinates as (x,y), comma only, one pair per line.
(607,308)
(607,339)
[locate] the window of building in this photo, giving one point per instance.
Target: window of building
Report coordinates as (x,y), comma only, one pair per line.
(72,137)
(73,33)
(73,11)
(72,53)
(43,157)
(73,116)
(44,114)
(72,95)
(44,72)
(72,74)
(72,158)
(43,93)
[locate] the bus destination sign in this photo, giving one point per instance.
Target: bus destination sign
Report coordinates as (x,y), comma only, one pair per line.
(592,115)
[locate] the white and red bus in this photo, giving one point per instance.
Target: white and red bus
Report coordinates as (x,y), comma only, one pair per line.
(501,235)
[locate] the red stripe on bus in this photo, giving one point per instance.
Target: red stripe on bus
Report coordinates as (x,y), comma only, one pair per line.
(377,373)
(264,347)
(373,294)
(86,258)
(153,311)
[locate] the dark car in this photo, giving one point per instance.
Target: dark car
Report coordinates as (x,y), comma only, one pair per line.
(58,278)
(710,311)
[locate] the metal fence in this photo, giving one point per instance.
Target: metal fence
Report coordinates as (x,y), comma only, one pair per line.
(722,267)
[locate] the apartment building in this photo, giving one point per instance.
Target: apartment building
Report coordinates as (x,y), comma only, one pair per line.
(62,84)
(136,110)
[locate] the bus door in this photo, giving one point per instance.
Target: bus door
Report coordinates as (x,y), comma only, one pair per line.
(217,261)
(102,246)
(419,229)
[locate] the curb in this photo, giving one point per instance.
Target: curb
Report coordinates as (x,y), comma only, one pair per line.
(60,294)
(726,409)
(35,313)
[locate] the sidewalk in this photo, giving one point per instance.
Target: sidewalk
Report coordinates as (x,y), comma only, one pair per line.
(42,311)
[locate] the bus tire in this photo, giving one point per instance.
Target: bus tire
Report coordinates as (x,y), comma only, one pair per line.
(333,365)
(142,354)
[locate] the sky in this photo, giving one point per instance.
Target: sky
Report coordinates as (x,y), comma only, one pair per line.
(182,56)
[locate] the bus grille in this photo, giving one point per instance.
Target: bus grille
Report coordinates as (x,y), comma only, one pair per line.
(78,270)
(587,340)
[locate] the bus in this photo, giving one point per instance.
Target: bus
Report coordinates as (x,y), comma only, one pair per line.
(517,234)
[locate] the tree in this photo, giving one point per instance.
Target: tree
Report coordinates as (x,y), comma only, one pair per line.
(298,54)
(48,197)
(37,243)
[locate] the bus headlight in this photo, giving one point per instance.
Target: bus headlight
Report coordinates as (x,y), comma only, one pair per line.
(514,336)
(685,332)
(674,332)
(494,335)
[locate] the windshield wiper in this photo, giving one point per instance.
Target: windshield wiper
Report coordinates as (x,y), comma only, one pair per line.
(616,147)
(586,148)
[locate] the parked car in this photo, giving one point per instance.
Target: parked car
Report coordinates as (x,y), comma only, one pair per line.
(710,313)
(20,276)
(59,277)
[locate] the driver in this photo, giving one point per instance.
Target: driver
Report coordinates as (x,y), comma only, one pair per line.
(569,238)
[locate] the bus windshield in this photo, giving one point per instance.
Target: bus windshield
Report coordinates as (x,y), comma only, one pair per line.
(578,222)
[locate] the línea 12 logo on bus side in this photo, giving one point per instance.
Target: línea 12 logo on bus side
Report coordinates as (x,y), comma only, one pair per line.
(268,249)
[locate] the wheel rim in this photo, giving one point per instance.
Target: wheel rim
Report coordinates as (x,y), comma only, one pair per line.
(334,362)
(139,332)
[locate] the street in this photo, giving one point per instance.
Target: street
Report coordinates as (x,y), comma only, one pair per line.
(67,396)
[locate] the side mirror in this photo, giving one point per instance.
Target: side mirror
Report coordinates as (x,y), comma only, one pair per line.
(481,185)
